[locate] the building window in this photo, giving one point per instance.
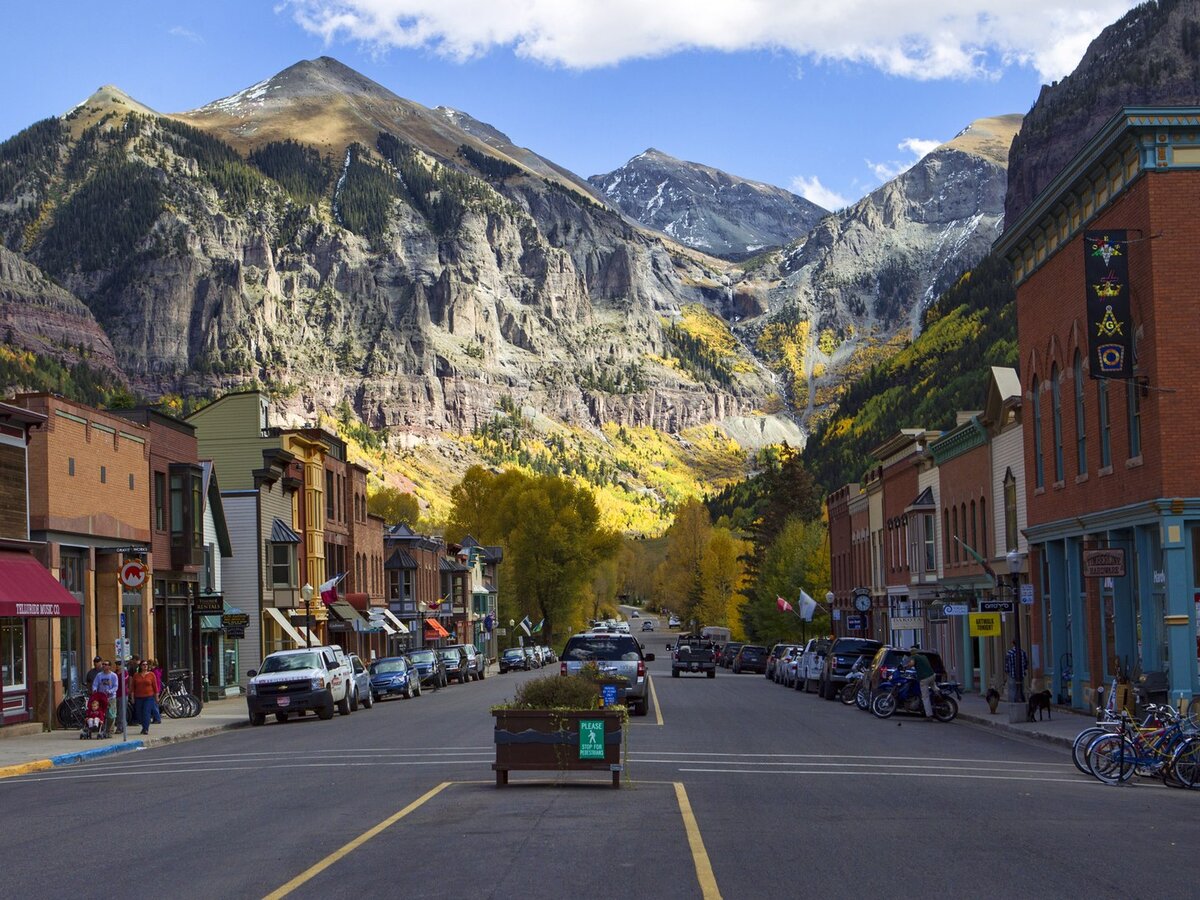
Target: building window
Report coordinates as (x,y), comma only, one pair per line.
(1056,412)
(946,535)
(71,466)
(1038,469)
(983,539)
(930,546)
(974,531)
(160,501)
(329,496)
(1080,428)
(1010,511)
(103,475)
(207,573)
(1105,437)
(283,565)
(1134,409)
(71,572)
(954,520)
(131,481)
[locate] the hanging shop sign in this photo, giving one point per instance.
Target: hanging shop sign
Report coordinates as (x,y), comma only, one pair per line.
(984,624)
(1110,332)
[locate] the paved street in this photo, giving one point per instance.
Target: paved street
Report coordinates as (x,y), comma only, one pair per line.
(787,793)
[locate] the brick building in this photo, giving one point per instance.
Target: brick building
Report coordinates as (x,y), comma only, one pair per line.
(1113,493)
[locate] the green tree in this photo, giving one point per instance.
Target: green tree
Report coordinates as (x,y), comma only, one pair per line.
(394,505)
(681,574)
(723,570)
(797,559)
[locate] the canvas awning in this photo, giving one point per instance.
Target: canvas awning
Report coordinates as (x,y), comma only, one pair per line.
(347,613)
(397,625)
(27,589)
(433,626)
(297,635)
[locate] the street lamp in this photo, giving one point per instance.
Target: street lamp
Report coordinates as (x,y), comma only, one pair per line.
(829,598)
(1014,571)
(306,592)
(512,628)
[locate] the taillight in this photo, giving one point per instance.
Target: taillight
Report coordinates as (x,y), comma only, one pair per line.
(562,668)
(641,668)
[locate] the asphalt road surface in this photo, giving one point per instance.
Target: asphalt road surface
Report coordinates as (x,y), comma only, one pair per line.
(736,787)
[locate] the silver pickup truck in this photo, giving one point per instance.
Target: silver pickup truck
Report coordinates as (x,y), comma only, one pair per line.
(612,653)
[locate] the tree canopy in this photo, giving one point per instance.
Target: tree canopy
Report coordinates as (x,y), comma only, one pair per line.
(394,505)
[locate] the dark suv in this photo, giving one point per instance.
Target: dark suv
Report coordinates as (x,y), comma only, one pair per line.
(888,659)
(728,652)
(476,663)
(840,659)
(750,658)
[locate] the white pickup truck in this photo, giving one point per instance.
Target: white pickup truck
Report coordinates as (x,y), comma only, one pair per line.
(812,659)
(317,679)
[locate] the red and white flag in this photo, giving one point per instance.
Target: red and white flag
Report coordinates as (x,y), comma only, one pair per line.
(328,590)
(783,605)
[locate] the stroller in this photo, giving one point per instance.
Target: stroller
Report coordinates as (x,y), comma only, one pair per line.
(95,717)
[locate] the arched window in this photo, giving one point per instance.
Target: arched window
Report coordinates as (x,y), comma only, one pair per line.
(946,535)
(974,531)
(1038,468)
(983,529)
(1010,511)
(1056,412)
(1080,427)
(1105,425)
(955,514)
(1133,401)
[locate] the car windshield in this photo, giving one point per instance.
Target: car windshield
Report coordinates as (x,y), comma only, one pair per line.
(514,652)
(449,654)
(388,666)
(291,663)
(421,656)
(602,647)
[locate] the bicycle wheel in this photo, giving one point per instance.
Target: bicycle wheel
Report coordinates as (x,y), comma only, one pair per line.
(193,706)
(1112,758)
(1185,763)
(1080,748)
(171,706)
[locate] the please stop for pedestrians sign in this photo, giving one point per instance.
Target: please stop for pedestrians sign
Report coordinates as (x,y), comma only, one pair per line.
(591,739)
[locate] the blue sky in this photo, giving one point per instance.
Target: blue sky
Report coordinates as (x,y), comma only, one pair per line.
(823,98)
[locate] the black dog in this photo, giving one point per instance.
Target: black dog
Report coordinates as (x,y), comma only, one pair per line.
(1038,702)
(993,699)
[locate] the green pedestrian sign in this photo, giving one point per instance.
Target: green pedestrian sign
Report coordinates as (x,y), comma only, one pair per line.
(591,739)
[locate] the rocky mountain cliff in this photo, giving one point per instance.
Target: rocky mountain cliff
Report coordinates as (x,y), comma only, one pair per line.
(705,208)
(1151,57)
(323,236)
(865,274)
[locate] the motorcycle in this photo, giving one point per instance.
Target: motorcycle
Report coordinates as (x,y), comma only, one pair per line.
(902,691)
(855,682)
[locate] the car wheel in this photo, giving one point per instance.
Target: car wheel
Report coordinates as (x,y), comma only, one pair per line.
(281,717)
(417,690)
(711,673)
(641,709)
(354,702)
(375,698)
(368,701)
(326,711)
(257,719)
(343,705)
(674,673)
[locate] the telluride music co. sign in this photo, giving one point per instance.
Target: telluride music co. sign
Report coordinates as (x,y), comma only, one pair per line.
(1106,563)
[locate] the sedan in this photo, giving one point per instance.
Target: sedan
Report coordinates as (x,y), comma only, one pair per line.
(394,675)
(513,658)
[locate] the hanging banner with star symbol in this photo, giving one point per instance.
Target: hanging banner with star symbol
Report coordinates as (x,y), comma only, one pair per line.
(1110,330)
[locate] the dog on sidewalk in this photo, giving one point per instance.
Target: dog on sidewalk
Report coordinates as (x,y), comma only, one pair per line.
(1037,703)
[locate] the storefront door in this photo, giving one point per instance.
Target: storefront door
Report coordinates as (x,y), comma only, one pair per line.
(14,677)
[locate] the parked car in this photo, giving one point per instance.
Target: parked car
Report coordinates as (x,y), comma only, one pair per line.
(750,658)
(777,653)
(362,684)
(394,675)
(429,667)
(840,659)
(317,679)
(535,659)
(812,659)
(454,659)
(728,652)
(786,669)
(549,655)
(617,654)
(476,663)
(513,658)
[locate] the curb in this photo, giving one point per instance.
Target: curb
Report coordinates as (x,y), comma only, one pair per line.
(38,765)
(70,759)
(1005,728)
(187,736)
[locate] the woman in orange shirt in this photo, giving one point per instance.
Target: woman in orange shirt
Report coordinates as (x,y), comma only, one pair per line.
(145,689)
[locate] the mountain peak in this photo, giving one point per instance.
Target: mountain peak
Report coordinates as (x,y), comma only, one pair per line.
(106,100)
(989,137)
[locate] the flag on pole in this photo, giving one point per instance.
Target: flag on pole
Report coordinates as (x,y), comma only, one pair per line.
(329,589)
(783,605)
(526,625)
(983,563)
(538,626)
(808,606)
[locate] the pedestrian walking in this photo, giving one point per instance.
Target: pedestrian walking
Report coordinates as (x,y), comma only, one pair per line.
(1016,664)
(90,677)
(158,684)
(144,694)
(106,683)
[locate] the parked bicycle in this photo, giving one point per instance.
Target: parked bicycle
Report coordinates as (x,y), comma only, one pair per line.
(1166,747)
(177,702)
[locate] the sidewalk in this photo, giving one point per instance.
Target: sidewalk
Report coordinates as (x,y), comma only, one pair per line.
(1060,730)
(31,753)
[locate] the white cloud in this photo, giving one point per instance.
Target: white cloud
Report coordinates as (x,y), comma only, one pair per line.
(812,189)
(186,33)
(918,147)
(925,40)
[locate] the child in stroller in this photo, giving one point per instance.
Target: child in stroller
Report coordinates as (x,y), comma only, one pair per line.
(95,717)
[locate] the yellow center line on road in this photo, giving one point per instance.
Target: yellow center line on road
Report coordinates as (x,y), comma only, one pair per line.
(704,872)
(314,870)
(654,696)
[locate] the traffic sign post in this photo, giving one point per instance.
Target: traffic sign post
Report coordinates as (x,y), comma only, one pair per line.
(131,577)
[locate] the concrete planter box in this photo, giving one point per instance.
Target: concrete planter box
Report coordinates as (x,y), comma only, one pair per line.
(542,740)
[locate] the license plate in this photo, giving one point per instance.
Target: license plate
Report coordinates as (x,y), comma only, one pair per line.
(284,701)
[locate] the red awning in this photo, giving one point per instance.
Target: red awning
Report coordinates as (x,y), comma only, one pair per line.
(435,627)
(28,589)
(360,601)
